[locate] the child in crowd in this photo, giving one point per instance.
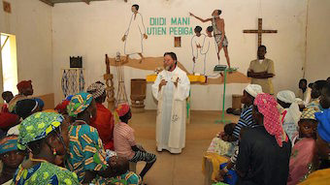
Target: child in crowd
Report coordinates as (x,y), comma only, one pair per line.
(302,160)
(224,143)
(124,141)
(6,96)
(122,173)
(230,165)
(11,158)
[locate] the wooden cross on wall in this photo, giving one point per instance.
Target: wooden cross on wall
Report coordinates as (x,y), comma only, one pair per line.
(259,31)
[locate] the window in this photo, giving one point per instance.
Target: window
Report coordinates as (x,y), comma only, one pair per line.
(9,62)
(177,42)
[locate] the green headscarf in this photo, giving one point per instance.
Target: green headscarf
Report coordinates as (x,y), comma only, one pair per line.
(37,126)
(79,103)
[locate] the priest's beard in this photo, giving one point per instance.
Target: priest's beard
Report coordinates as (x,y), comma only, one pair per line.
(168,68)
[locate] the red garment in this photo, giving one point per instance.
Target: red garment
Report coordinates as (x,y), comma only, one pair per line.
(24,85)
(122,109)
(4,108)
(8,120)
(104,123)
(61,107)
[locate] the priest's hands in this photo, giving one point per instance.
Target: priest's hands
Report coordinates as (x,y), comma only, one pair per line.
(161,84)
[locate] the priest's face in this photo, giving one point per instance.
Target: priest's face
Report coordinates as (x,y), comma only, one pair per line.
(169,63)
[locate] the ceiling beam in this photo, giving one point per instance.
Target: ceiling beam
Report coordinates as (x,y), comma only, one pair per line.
(48,2)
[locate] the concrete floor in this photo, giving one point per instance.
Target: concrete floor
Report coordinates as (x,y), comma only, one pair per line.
(184,168)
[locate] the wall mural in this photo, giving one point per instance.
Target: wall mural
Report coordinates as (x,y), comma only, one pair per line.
(135,34)
(205,45)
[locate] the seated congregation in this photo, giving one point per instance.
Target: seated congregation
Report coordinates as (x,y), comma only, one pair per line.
(78,142)
(282,139)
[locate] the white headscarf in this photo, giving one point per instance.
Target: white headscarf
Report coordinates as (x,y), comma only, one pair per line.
(287,96)
(253,89)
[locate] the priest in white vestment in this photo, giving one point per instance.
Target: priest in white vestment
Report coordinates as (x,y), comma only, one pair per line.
(134,35)
(171,89)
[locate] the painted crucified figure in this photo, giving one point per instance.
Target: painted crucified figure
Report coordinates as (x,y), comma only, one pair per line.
(219,34)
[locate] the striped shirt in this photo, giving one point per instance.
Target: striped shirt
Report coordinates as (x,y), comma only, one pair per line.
(233,158)
(245,120)
(124,139)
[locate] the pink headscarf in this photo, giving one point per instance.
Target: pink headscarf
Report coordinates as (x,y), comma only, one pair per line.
(267,106)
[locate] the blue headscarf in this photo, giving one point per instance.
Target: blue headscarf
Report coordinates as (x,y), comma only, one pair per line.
(41,103)
(323,127)
(8,144)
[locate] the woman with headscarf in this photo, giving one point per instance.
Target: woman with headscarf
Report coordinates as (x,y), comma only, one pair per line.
(87,155)
(11,158)
(45,135)
(246,120)
(287,100)
(104,122)
(24,108)
(264,151)
(25,89)
(322,176)
(218,145)
(303,158)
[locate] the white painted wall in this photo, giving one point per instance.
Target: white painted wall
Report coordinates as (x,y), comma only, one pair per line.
(318,41)
(93,30)
(31,22)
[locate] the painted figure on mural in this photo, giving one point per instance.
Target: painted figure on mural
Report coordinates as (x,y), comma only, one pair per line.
(209,50)
(196,43)
(135,34)
(219,34)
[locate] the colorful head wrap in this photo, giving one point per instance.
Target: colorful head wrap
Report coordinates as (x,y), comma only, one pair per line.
(253,89)
(8,144)
(79,103)
(24,108)
(37,126)
(122,109)
(267,106)
(323,128)
(23,85)
(308,113)
(96,89)
(41,103)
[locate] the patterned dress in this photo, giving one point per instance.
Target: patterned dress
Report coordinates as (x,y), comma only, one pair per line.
(86,152)
(128,178)
(44,173)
